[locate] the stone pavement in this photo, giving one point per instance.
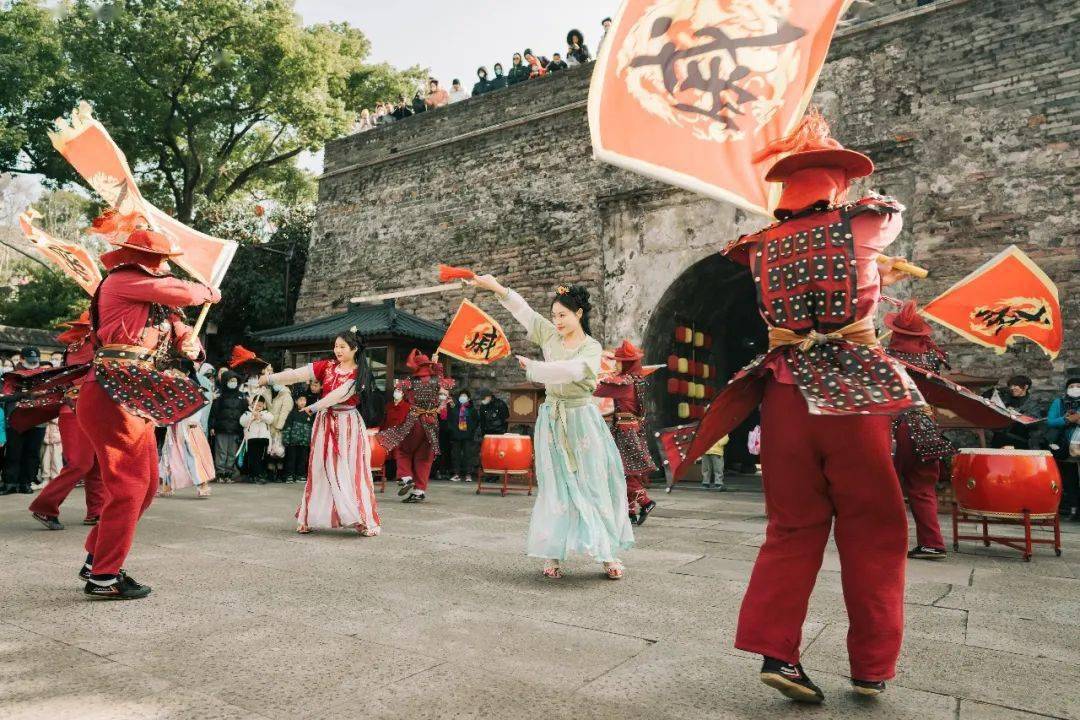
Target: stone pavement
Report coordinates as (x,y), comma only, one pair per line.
(443,617)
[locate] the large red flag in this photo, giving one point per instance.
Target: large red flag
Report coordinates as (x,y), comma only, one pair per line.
(73,260)
(1008,297)
(87,145)
(474,337)
(688,91)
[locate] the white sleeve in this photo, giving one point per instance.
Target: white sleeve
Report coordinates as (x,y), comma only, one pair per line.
(335,396)
(556,372)
(519,309)
(245,419)
(292,377)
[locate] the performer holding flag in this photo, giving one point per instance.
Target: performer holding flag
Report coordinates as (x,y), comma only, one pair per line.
(136,327)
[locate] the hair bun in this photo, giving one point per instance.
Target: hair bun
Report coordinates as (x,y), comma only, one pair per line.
(582,294)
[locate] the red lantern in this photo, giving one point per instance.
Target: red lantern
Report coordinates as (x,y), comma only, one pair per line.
(673,386)
(673,363)
(684,387)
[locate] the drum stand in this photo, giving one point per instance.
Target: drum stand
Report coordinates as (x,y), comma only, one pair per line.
(505,487)
(1024,544)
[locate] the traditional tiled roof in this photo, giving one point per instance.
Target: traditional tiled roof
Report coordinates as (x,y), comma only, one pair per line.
(370,321)
(16,338)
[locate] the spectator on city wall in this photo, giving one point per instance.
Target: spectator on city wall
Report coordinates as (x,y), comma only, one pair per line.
(606,25)
(418,103)
(499,81)
(436,97)
(519,72)
(557,63)
(482,85)
(367,120)
(403,109)
(536,68)
(457,92)
(577,53)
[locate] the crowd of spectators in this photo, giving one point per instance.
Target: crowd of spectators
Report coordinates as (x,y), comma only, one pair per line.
(524,66)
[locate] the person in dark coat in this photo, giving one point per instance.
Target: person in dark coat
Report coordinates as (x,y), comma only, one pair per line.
(225,426)
(1016,395)
(22,458)
(499,81)
(463,425)
(576,50)
(402,110)
(482,85)
(419,105)
(494,414)
(519,71)
(557,63)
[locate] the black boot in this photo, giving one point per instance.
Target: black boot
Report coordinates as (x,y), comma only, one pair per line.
(791,681)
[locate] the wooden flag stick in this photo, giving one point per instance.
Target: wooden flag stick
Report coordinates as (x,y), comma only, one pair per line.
(904,267)
(444,287)
(201,321)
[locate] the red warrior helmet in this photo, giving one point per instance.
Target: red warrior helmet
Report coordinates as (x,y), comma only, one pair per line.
(816,169)
(77,329)
(421,365)
(243,360)
(630,356)
(910,333)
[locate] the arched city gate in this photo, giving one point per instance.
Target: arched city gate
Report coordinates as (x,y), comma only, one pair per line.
(705,327)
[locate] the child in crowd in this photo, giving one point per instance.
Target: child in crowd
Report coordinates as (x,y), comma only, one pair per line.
(225,429)
(256,423)
(297,438)
(712,466)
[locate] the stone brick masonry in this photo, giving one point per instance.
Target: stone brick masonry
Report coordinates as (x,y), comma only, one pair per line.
(969,108)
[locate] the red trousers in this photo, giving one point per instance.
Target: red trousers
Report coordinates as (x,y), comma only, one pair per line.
(820,470)
(636,492)
(919,480)
(79,464)
(126,452)
(415,456)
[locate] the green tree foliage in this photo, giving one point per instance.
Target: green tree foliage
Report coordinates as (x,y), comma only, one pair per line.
(207,98)
(47,299)
(253,293)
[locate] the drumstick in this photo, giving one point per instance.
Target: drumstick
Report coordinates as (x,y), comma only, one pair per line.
(904,266)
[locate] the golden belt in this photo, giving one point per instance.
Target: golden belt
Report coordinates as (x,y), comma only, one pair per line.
(860,332)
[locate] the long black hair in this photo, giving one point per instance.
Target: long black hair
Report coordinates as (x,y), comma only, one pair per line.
(365,379)
(574,298)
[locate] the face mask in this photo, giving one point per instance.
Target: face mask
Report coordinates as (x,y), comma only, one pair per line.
(232,384)
(1073,392)
(463,399)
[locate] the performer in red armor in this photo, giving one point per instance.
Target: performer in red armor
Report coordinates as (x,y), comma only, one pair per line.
(415,442)
(627,389)
(79,461)
(920,446)
(137,328)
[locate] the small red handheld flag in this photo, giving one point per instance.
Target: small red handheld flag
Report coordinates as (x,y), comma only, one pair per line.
(1008,297)
(474,337)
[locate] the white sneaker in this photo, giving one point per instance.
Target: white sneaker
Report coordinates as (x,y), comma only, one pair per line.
(468,478)
(455,478)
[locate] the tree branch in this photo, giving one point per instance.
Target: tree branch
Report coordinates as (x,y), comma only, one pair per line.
(246,175)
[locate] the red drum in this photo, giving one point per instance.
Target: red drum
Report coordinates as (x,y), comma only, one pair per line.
(378,452)
(1005,483)
(506,453)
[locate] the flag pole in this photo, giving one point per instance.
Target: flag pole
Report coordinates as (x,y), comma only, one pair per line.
(202,320)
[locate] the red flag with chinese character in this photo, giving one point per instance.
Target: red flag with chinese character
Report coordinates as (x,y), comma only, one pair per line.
(73,260)
(474,337)
(1008,297)
(87,145)
(688,91)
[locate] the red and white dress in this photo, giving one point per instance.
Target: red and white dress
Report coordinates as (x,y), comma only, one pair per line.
(339,490)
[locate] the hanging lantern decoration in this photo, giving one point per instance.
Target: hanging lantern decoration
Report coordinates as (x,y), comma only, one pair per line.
(673,363)
(673,386)
(684,365)
(707,341)
(706,371)
(699,339)
(684,410)
(684,387)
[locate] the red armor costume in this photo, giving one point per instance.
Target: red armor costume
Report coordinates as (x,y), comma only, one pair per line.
(627,389)
(827,393)
(132,390)
(920,446)
(79,461)
(415,442)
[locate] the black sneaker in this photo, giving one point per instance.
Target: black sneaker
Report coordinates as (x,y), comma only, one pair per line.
(86,570)
(870,688)
(633,519)
(91,520)
(115,587)
(51,522)
(415,496)
(643,513)
(791,681)
(921,552)
(26,490)
(405,486)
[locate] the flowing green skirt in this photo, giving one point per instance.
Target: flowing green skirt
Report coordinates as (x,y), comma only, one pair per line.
(581,499)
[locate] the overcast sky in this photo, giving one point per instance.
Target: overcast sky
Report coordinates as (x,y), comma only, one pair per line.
(454,37)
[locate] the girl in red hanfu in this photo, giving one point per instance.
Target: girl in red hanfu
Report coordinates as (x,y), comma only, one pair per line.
(920,446)
(828,393)
(339,490)
(415,441)
(627,388)
(133,388)
(79,460)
